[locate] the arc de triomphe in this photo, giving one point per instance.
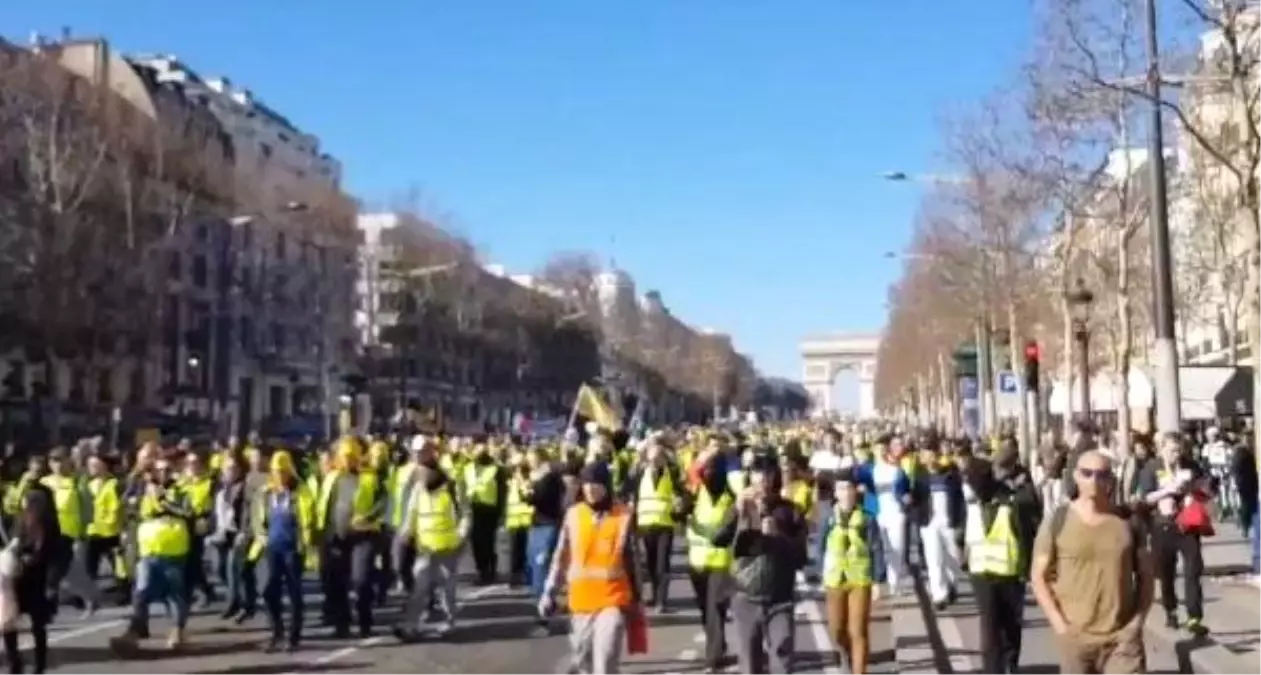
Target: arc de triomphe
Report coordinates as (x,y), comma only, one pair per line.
(826,355)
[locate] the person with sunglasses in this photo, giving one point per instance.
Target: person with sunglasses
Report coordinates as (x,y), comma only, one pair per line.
(1099,624)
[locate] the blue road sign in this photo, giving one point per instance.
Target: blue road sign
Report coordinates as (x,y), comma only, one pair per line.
(968,388)
(1007,382)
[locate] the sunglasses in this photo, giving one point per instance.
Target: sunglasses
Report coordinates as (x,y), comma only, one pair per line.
(1098,475)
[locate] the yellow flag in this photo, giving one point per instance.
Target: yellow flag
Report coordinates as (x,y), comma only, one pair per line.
(593,406)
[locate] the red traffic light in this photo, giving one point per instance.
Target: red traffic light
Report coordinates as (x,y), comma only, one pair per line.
(1032,351)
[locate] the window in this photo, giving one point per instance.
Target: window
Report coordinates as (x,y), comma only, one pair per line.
(174,265)
(281,246)
(247,333)
(265,149)
(104,386)
(203,232)
(199,271)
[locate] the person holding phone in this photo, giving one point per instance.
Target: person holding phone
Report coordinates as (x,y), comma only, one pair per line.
(769,550)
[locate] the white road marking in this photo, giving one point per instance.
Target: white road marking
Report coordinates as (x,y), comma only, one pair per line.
(699,638)
(952,639)
(818,625)
(475,594)
(53,638)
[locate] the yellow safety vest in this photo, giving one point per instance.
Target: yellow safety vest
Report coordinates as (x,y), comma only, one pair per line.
(159,535)
(303,506)
(398,480)
(437,530)
(106,508)
(69,509)
(998,553)
(736,481)
(800,493)
(520,514)
(479,482)
(656,497)
(701,554)
(847,557)
(365,497)
(201,498)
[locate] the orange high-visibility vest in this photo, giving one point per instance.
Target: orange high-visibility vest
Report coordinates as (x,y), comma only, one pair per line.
(597,568)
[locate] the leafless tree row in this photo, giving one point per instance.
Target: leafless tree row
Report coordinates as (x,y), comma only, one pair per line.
(1052,185)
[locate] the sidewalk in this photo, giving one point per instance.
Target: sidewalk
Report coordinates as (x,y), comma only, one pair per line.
(1232,608)
(926,641)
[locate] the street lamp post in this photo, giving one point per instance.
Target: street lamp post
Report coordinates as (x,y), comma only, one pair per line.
(1168,406)
(1079,300)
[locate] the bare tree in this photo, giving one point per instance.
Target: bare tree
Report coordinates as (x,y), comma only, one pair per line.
(1218,106)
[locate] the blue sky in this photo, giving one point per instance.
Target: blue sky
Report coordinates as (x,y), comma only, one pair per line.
(725,152)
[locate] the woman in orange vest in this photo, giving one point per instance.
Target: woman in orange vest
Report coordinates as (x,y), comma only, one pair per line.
(596,555)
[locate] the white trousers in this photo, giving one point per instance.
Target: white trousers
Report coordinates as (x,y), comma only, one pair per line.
(893,537)
(941,559)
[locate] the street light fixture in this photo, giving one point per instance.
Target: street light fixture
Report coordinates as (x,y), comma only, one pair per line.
(1079,301)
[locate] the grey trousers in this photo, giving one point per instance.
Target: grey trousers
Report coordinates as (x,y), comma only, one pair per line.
(434,574)
(763,635)
(597,640)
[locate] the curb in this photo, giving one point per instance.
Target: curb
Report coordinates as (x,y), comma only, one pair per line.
(1198,655)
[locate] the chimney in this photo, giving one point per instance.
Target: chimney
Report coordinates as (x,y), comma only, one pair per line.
(65,33)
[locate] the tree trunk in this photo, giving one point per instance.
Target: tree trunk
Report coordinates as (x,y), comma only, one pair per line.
(1066,364)
(1124,347)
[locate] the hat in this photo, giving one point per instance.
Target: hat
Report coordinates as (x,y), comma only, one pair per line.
(418,443)
(281,460)
(596,472)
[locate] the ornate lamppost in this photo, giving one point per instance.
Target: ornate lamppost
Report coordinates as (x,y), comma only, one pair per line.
(1079,301)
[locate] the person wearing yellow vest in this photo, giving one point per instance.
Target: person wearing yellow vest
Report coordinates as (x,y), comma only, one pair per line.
(485,485)
(282,519)
(381,462)
(797,487)
(847,574)
(74,514)
(401,487)
(436,526)
(1000,538)
(518,518)
(349,512)
(162,543)
(199,488)
(655,492)
(105,530)
(595,558)
(711,530)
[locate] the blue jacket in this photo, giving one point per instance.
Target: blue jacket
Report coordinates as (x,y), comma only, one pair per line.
(864,476)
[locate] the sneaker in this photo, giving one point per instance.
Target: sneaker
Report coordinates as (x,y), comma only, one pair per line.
(1195,627)
(175,640)
(271,646)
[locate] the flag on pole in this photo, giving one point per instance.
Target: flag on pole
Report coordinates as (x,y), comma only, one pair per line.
(593,406)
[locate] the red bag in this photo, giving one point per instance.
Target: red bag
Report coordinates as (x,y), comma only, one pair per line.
(1194,518)
(636,633)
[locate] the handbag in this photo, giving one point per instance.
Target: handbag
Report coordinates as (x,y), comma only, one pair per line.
(1194,518)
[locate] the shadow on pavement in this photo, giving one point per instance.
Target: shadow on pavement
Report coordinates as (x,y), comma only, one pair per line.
(491,632)
(496,609)
(287,667)
(62,655)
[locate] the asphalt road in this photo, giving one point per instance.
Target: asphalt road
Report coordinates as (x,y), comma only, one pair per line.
(493,634)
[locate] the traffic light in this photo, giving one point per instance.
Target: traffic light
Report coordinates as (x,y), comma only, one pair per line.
(1033,356)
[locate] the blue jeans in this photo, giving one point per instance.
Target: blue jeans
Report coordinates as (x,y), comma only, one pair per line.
(538,551)
(284,578)
(1256,542)
(159,580)
(232,569)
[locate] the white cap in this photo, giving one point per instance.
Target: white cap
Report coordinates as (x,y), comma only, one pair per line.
(591,428)
(417,443)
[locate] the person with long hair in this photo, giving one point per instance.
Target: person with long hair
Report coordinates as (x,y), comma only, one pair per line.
(34,547)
